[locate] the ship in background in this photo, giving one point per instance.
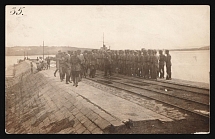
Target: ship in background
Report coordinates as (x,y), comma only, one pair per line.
(103,48)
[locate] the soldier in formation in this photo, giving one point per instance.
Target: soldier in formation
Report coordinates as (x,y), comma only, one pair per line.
(136,63)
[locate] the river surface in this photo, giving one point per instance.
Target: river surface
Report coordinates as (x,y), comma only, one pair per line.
(186,65)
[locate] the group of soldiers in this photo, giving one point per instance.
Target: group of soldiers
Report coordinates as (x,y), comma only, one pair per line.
(137,63)
(43,64)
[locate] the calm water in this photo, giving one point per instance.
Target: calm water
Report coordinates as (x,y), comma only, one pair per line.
(10,60)
(186,65)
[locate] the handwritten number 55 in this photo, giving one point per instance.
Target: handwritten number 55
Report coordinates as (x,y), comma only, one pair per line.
(18,12)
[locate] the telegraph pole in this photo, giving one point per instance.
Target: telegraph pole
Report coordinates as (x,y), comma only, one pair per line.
(43,50)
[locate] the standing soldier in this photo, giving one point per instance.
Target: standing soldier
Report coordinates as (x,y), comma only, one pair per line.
(93,63)
(58,56)
(75,68)
(131,62)
(139,65)
(147,61)
(124,62)
(96,56)
(136,66)
(108,62)
(168,65)
(150,63)
(144,63)
(86,63)
(113,61)
(161,63)
(127,62)
(102,60)
(120,62)
(81,57)
(88,60)
(99,60)
(67,69)
(156,63)
(62,66)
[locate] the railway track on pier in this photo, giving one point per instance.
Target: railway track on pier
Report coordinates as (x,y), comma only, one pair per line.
(186,100)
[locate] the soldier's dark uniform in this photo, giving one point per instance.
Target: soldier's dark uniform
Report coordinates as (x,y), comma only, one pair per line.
(108,63)
(123,62)
(68,67)
(147,65)
(93,63)
(119,62)
(102,61)
(96,56)
(161,64)
(153,65)
(139,65)
(75,68)
(65,67)
(113,58)
(135,66)
(156,63)
(127,66)
(132,63)
(168,65)
(143,63)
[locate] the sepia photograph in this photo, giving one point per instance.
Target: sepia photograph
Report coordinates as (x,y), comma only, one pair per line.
(107,69)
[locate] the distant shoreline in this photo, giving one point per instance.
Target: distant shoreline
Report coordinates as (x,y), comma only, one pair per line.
(190,50)
(55,54)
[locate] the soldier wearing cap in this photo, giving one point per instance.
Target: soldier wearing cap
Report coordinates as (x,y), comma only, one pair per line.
(147,65)
(136,66)
(93,63)
(168,65)
(161,63)
(156,63)
(67,67)
(96,56)
(99,60)
(86,61)
(143,63)
(62,66)
(139,65)
(123,62)
(120,62)
(126,62)
(114,61)
(82,59)
(58,56)
(151,66)
(75,68)
(108,63)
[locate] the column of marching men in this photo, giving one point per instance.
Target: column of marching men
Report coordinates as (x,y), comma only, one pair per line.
(147,64)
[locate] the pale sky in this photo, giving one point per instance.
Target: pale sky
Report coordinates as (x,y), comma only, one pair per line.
(124,27)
